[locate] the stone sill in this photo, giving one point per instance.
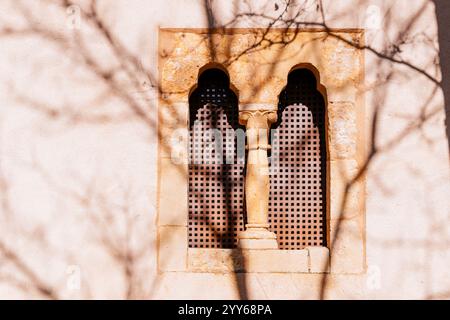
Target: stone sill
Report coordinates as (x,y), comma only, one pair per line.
(308,260)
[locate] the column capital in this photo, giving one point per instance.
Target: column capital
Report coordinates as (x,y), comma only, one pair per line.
(262,118)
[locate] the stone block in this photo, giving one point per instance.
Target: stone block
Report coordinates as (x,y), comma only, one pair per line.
(347,255)
(173,130)
(173,192)
(342,130)
(214,260)
(319,259)
(173,244)
(341,173)
(258,261)
(277,261)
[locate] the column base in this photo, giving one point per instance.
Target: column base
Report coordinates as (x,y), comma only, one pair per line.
(257,238)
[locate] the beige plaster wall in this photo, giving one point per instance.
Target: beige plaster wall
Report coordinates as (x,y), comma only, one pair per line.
(79,145)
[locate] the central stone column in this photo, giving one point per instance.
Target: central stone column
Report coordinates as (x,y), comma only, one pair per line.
(257,183)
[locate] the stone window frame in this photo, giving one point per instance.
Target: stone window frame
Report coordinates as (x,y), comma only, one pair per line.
(339,70)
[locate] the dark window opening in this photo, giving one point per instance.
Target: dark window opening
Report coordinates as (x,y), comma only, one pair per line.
(297,203)
(216,179)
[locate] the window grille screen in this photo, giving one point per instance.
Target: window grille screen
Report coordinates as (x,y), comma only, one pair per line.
(298,182)
(216,186)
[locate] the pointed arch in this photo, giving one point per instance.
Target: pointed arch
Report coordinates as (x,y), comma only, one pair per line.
(298,195)
(216,183)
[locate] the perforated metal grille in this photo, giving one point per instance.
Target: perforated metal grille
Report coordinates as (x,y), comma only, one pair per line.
(298,183)
(216,183)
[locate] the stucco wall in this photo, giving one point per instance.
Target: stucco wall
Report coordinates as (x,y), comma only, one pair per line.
(78,152)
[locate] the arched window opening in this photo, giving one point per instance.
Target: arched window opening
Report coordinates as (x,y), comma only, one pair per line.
(297,203)
(216,183)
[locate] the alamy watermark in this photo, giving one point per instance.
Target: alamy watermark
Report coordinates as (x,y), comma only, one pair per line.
(223,147)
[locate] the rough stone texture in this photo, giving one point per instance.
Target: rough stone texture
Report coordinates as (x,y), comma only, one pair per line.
(309,260)
(184,52)
(236,260)
(214,260)
(342,130)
